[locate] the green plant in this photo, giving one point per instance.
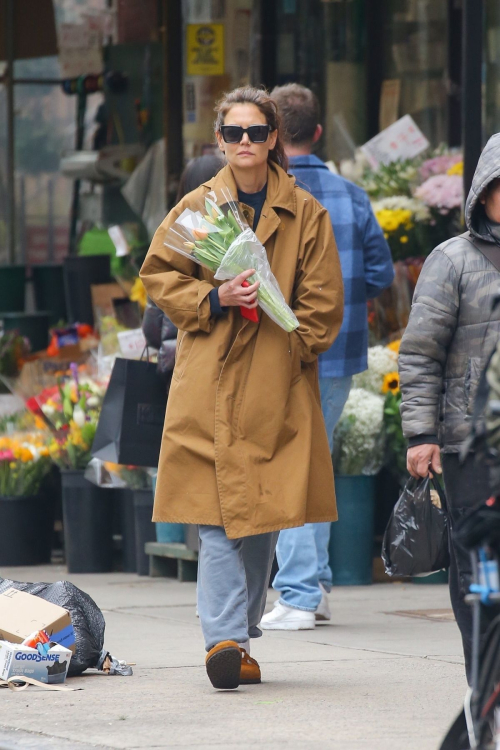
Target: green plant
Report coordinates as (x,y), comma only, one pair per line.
(72,451)
(13,351)
(395,442)
(24,462)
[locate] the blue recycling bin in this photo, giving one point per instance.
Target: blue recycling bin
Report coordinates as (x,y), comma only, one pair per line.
(168,532)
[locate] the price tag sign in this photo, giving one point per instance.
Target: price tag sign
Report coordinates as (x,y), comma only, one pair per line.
(80,50)
(132,343)
(402,140)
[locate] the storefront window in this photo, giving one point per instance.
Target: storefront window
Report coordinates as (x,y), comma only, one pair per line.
(220,54)
(322,45)
(491,110)
(369,64)
(414,49)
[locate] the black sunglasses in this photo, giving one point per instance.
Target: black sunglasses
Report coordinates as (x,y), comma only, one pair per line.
(256,133)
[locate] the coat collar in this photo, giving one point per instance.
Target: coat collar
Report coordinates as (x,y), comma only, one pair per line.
(307,160)
(280,187)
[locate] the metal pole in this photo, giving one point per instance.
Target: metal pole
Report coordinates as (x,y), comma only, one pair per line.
(472,63)
(79,139)
(9,78)
(22,218)
(50,238)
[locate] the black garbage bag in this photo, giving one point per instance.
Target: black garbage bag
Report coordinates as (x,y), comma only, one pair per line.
(416,538)
(87,618)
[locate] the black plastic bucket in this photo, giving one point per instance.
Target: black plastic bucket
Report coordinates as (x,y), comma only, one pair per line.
(48,284)
(87,518)
(145,529)
(34,326)
(26,530)
(12,288)
(127,515)
(80,273)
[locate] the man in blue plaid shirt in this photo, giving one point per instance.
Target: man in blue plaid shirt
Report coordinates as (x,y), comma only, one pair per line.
(304,576)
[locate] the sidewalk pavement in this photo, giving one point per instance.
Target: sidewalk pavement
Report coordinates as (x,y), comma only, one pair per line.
(369,680)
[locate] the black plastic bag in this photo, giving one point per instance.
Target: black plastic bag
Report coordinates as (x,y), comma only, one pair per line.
(87,618)
(416,537)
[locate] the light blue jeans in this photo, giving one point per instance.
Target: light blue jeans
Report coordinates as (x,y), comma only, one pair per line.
(303,552)
(233,576)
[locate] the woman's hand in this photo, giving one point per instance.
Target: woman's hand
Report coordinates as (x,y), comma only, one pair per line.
(233,294)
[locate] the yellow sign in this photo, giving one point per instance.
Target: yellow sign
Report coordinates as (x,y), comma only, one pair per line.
(205,49)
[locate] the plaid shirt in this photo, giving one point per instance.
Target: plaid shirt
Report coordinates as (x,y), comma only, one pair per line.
(365,258)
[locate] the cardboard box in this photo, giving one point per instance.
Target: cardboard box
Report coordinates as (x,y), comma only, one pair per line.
(22,614)
(23,661)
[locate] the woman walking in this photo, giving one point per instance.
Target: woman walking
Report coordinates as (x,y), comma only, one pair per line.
(245,451)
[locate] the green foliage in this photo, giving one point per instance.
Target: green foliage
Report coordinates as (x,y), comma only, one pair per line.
(395,442)
(23,479)
(13,350)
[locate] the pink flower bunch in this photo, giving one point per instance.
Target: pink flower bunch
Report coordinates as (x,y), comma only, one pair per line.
(6,455)
(439,165)
(442,191)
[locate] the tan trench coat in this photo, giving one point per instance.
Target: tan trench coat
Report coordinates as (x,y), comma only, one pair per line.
(244,443)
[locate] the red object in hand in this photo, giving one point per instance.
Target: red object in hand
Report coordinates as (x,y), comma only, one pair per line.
(249,314)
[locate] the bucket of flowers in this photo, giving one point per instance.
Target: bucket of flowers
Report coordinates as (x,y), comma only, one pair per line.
(26,515)
(357,457)
(381,379)
(72,410)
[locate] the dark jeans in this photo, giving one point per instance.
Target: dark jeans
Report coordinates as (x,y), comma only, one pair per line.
(466,485)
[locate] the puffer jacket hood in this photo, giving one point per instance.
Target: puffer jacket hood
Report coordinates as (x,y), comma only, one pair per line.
(487,170)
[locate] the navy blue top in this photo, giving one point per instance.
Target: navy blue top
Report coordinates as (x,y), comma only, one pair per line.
(255,201)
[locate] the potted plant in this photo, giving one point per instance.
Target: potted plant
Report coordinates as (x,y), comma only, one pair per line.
(26,516)
(358,456)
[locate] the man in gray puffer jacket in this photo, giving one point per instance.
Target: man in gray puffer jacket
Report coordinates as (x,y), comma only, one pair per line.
(451,332)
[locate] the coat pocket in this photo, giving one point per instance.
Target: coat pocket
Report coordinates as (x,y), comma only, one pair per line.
(295,363)
(471,382)
(184,347)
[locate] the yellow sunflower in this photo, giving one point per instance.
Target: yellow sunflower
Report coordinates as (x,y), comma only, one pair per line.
(391,383)
(394,346)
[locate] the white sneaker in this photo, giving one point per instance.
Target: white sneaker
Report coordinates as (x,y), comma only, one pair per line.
(323,611)
(288,618)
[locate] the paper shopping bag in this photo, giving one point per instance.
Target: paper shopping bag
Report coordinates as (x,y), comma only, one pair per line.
(131,423)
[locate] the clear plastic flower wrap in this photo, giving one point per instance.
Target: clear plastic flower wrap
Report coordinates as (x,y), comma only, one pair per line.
(216,236)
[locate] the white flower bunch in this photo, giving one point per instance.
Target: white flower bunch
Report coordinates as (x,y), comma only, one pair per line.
(381,361)
(401,202)
(359,435)
(353,169)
